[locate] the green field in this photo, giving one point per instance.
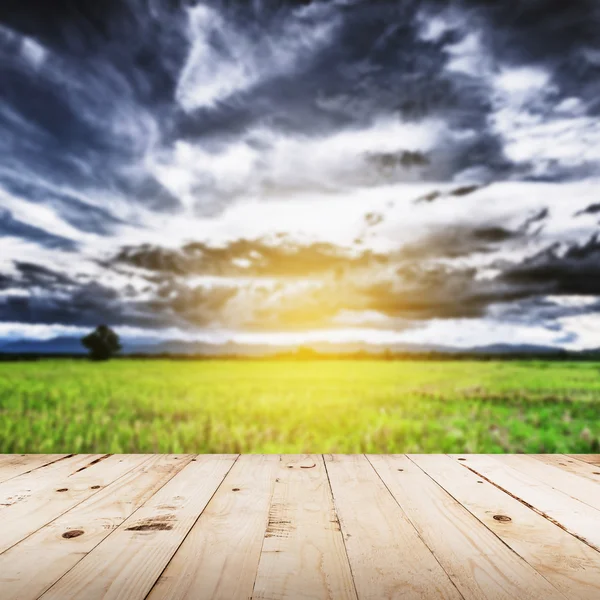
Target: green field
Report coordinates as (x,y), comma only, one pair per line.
(322,406)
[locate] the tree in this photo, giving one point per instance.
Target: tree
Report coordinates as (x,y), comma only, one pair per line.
(102,343)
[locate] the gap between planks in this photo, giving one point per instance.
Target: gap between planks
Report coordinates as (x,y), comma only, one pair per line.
(30,567)
(257,512)
(574,516)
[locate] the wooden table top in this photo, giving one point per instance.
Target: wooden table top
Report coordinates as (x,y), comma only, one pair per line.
(299,526)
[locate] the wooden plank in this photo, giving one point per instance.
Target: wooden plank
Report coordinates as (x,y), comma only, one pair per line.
(575,486)
(127,563)
(387,557)
(13,465)
(575,467)
(21,487)
(592,459)
(40,503)
(458,540)
(569,564)
(28,569)
(303,554)
(219,557)
(579,519)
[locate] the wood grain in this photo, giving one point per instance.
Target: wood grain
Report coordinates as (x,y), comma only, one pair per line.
(219,557)
(126,565)
(20,487)
(387,557)
(459,540)
(592,459)
(566,562)
(573,466)
(303,554)
(266,527)
(543,469)
(13,465)
(29,568)
(579,519)
(33,500)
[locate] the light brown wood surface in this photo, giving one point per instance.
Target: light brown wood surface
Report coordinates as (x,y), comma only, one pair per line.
(58,546)
(13,465)
(387,556)
(219,558)
(552,474)
(576,517)
(592,459)
(303,554)
(455,538)
(566,562)
(127,563)
(271,527)
(577,467)
(32,500)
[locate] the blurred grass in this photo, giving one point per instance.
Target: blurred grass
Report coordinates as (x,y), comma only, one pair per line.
(323,406)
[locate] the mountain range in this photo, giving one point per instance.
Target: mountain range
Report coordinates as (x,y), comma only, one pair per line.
(72,346)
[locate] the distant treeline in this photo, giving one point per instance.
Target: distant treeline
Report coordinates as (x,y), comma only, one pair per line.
(560,355)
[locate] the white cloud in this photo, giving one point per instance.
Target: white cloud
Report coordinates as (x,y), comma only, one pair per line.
(459,333)
(521,82)
(572,301)
(536,128)
(586,328)
(465,333)
(224,60)
(30,50)
(362,318)
(570,106)
(468,56)
(33,52)
(569,142)
(434,27)
(38,332)
(268,164)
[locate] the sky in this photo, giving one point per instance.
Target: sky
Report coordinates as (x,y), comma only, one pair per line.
(286,172)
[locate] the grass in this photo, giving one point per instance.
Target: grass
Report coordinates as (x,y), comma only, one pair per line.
(129,406)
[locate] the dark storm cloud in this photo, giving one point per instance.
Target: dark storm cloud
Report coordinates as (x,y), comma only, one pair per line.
(400,285)
(464,240)
(9,226)
(559,36)
(536,310)
(73,210)
(91,96)
(426,293)
(413,293)
(87,306)
(32,275)
(184,305)
(111,73)
(56,297)
(575,270)
(459,241)
(386,164)
(102,88)
(376,64)
(252,258)
(464,190)
(408,290)
(133,46)
(82,98)
(592,209)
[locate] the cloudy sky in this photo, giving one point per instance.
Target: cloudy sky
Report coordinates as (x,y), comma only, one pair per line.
(261,170)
